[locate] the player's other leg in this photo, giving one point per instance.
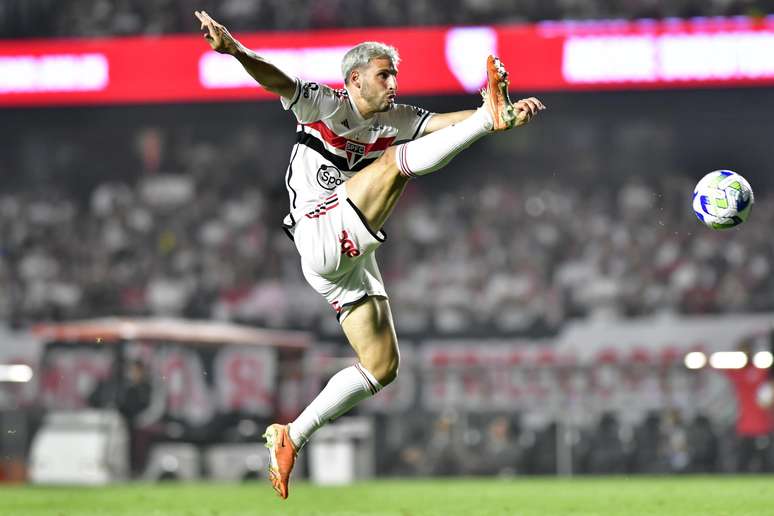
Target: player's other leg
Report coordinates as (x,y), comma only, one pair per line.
(376,189)
(370,331)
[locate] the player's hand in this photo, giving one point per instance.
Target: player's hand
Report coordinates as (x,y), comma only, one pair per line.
(219,38)
(527,109)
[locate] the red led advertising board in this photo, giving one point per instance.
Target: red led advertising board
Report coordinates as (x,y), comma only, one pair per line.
(550,56)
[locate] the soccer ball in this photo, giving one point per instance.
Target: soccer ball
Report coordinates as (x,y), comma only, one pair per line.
(722,199)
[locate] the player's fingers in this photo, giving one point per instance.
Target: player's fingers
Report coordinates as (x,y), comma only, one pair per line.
(539,103)
(205,18)
(212,28)
(527,105)
(205,22)
(536,102)
(531,106)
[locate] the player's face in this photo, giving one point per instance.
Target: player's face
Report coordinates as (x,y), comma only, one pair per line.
(379,84)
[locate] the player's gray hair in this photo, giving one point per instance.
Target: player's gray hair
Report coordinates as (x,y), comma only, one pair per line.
(362,54)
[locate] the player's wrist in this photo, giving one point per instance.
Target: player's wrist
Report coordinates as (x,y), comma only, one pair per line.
(236,49)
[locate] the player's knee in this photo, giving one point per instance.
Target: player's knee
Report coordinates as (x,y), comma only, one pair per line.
(390,372)
(385,370)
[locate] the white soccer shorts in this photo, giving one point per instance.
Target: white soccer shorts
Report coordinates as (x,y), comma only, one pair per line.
(337,253)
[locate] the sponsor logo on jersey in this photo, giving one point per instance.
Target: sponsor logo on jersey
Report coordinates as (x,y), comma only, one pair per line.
(329,177)
(348,247)
(309,87)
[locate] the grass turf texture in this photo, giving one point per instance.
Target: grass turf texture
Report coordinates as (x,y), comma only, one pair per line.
(603,496)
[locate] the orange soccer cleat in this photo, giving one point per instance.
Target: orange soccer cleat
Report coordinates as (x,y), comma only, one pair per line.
(282,457)
(496,95)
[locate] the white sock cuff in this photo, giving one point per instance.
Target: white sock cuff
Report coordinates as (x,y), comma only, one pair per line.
(400,158)
(370,382)
(435,150)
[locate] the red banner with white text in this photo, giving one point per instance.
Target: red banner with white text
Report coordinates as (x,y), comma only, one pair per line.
(550,56)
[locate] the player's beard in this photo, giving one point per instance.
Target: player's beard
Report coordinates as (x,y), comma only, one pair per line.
(378,101)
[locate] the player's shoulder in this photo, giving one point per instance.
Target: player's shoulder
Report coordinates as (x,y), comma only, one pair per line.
(312,88)
(404,111)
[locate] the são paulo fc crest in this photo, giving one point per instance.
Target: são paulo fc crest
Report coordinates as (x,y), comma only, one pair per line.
(329,177)
(355,152)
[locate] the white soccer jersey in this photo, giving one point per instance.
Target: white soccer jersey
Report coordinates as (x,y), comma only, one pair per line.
(334,142)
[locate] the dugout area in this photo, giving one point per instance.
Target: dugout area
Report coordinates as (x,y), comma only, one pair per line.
(207,392)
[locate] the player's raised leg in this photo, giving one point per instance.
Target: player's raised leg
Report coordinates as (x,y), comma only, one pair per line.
(376,189)
(371,333)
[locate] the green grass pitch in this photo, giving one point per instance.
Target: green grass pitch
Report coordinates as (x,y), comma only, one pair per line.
(603,496)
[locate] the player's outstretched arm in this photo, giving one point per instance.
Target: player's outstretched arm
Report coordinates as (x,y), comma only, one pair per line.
(266,74)
(440,120)
(526,109)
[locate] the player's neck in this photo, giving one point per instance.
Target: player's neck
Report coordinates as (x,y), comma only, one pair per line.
(361,105)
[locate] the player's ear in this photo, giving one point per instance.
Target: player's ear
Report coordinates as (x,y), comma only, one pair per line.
(354,78)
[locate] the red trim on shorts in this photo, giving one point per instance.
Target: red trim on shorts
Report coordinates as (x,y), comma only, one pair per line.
(324,207)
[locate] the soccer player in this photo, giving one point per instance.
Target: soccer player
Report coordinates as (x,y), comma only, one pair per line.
(355,152)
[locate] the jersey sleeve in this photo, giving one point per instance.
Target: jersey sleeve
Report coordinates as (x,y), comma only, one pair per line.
(312,101)
(410,121)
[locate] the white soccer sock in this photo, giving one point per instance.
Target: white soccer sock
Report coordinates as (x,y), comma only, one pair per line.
(434,151)
(343,391)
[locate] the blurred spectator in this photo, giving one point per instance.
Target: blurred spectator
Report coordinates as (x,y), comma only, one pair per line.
(607,453)
(754,423)
(648,448)
(498,452)
(130,395)
(675,439)
(445,453)
(173,238)
(703,444)
(540,455)
(46,18)
(134,398)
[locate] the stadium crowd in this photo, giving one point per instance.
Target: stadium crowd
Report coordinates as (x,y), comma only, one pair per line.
(499,444)
(47,18)
(153,220)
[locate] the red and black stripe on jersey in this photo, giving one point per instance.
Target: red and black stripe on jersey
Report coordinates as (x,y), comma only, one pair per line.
(310,140)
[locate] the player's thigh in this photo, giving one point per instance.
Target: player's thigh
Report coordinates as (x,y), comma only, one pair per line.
(376,189)
(370,330)
(334,238)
